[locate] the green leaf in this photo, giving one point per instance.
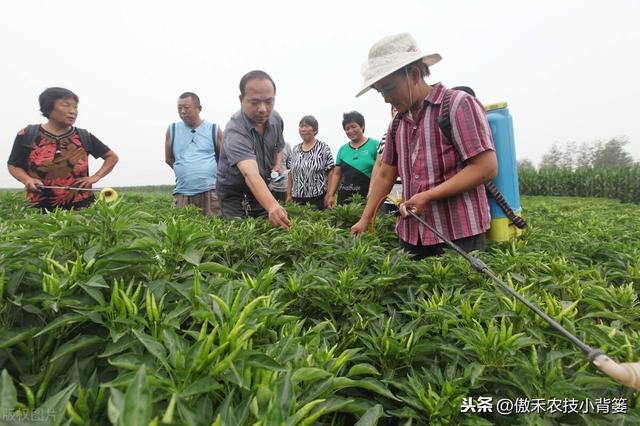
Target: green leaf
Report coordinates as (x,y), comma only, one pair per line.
(94,293)
(309,375)
(11,337)
(115,406)
(79,342)
(357,406)
(264,361)
(282,401)
(90,253)
(363,369)
(174,317)
(371,417)
(145,243)
(366,383)
(173,342)
(329,406)
(303,413)
(127,361)
(474,371)
(32,309)
(55,405)
(66,319)
(114,348)
(193,255)
(153,346)
(189,415)
(225,410)
(203,385)
(8,393)
(123,379)
(216,268)
(137,401)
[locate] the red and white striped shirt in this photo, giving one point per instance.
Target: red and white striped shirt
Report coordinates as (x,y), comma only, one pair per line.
(425,159)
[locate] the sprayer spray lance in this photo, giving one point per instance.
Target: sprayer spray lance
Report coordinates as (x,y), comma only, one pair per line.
(69,188)
(626,373)
(107,194)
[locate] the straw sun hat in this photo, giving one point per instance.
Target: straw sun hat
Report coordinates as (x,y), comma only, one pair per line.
(391,54)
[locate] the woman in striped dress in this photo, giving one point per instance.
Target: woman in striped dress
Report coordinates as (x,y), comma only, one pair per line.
(309,165)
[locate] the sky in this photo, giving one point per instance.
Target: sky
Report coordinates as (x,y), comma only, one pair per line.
(567,69)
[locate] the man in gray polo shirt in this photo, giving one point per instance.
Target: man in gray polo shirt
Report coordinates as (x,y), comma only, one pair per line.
(252,146)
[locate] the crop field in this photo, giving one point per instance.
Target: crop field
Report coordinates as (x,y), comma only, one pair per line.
(621,183)
(132,313)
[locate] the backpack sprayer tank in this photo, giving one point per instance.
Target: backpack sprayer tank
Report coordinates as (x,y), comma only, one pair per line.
(501,124)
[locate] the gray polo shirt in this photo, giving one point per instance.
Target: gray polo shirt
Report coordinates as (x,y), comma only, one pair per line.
(241,141)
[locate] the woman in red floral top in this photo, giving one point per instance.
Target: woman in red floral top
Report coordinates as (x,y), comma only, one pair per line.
(58,156)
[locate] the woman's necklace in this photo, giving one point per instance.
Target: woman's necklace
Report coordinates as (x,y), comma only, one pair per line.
(310,147)
(57,139)
(356,149)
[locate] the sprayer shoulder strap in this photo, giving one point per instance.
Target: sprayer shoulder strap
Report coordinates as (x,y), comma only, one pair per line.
(31,134)
(444,120)
(214,134)
(85,138)
(173,135)
(391,138)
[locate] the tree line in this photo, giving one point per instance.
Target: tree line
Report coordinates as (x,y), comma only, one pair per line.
(573,156)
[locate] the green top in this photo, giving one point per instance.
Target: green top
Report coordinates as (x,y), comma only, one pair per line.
(361,159)
(356,165)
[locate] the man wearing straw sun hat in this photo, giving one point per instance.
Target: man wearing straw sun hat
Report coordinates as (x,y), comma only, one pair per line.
(442,180)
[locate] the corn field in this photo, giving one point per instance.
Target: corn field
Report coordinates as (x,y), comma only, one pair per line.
(621,183)
(133,313)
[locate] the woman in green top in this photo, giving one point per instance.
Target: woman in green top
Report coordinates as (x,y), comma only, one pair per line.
(354,162)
